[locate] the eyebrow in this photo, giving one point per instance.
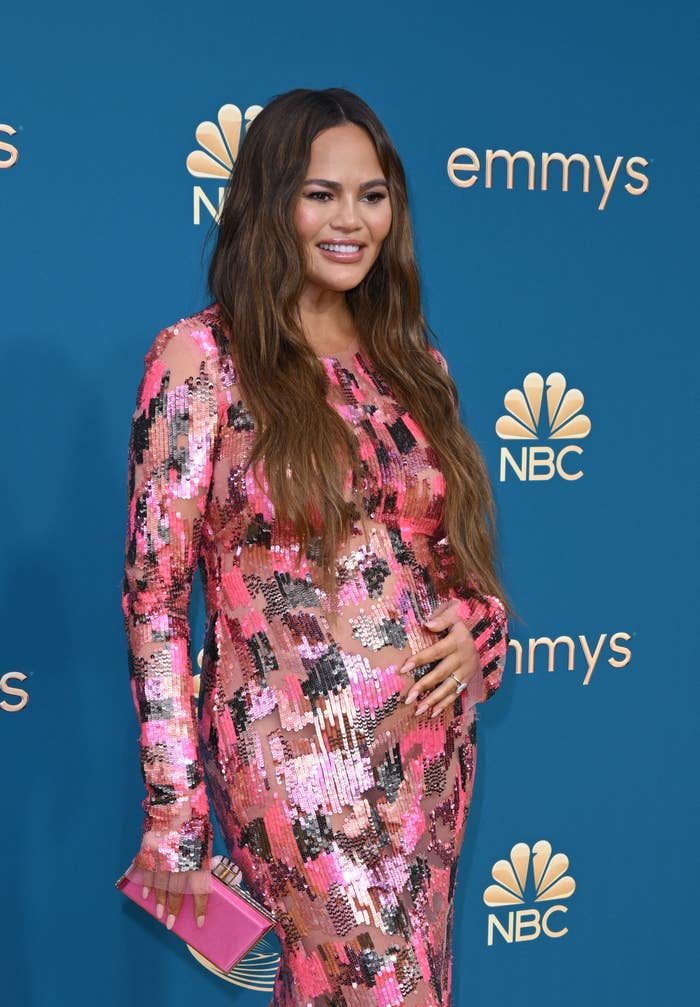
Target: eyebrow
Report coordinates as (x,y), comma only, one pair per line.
(337,185)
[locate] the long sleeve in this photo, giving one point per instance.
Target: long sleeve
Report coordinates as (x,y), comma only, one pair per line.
(170,461)
(484,615)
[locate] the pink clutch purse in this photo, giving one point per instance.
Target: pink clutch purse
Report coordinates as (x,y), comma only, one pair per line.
(234,920)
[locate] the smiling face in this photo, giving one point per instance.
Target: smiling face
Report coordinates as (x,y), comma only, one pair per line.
(343,213)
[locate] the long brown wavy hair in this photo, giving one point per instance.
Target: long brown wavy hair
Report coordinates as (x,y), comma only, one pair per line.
(256,275)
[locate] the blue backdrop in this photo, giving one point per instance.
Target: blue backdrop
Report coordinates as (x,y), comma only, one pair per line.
(590,744)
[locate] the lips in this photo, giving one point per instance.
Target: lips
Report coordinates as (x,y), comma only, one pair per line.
(352,255)
(359,244)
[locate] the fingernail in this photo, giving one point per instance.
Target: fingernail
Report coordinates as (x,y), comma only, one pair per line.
(431,624)
(434,713)
(159,910)
(408,666)
(200,921)
(144,893)
(410,697)
(170,921)
(420,709)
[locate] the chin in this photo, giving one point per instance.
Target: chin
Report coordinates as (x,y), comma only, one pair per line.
(340,283)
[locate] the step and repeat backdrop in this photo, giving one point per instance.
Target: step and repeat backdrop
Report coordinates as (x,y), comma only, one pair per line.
(551,153)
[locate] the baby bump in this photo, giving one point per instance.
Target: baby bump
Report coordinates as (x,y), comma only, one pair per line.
(313,714)
(303,657)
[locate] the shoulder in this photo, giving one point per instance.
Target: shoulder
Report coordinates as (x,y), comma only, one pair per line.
(195,337)
(439,357)
(188,356)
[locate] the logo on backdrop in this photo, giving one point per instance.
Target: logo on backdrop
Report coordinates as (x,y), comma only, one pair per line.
(219,143)
(12,697)
(592,653)
(530,876)
(469,165)
(524,422)
(8,151)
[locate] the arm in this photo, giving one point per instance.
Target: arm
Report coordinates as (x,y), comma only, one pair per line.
(170,460)
(484,615)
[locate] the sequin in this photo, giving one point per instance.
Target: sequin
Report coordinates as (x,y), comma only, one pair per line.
(343,810)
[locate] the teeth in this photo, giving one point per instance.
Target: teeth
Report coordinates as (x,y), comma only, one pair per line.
(339,248)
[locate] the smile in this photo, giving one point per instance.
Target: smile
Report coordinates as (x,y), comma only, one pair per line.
(341,251)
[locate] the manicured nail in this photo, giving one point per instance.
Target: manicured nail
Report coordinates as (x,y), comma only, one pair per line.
(144,893)
(408,666)
(431,624)
(421,709)
(170,920)
(200,921)
(159,910)
(410,697)
(434,713)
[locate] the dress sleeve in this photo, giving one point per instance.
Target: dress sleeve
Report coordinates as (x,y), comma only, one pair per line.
(484,615)
(170,460)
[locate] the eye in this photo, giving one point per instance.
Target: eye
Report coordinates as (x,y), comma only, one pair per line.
(321,196)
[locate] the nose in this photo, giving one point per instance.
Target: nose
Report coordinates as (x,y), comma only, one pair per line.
(346,216)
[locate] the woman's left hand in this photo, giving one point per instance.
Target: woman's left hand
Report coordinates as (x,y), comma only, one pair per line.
(456,655)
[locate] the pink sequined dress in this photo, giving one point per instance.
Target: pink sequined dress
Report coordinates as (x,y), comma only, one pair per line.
(344,810)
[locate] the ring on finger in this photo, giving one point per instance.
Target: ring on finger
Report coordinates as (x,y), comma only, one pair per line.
(460,685)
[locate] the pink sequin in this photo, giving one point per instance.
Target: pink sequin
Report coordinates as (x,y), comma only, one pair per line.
(343,809)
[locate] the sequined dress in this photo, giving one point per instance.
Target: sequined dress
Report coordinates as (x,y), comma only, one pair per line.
(344,810)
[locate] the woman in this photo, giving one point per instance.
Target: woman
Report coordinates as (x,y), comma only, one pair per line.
(299,440)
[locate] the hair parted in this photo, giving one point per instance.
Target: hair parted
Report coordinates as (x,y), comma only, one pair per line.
(256,275)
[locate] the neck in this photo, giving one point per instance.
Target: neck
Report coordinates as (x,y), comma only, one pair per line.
(328,325)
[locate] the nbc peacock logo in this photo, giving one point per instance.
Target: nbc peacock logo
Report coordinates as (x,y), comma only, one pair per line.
(530,875)
(524,421)
(216,156)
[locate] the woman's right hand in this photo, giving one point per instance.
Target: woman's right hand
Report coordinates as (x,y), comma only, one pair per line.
(170,890)
(171,887)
